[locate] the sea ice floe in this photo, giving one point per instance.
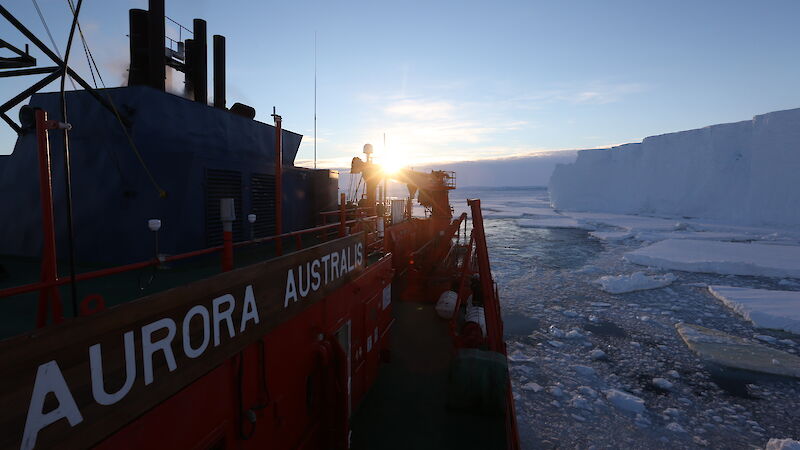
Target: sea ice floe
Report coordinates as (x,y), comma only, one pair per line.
(636,281)
(611,235)
(726,258)
(532,387)
(671,412)
(783,444)
(552,222)
(662,383)
(625,401)
(585,371)
(517,356)
(580,403)
(779,310)
(587,391)
(675,427)
(588,269)
(732,351)
(655,236)
(574,334)
(597,354)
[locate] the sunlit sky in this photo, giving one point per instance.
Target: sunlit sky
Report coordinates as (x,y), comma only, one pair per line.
(468,80)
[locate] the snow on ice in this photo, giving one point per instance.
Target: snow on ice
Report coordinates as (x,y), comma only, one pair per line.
(726,258)
(777,310)
(637,281)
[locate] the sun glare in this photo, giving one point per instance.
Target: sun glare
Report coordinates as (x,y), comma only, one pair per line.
(391,164)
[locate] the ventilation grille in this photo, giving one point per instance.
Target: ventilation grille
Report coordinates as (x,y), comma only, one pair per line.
(263,201)
(222,184)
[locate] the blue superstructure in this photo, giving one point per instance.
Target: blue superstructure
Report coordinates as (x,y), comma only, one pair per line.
(194,152)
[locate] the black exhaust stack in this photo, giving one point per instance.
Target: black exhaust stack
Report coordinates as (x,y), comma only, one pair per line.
(139,26)
(157,70)
(219,71)
(199,63)
(148,55)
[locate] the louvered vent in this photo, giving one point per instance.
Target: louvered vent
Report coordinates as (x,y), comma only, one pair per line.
(263,201)
(222,184)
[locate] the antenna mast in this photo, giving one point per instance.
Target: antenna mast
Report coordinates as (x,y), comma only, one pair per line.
(315,99)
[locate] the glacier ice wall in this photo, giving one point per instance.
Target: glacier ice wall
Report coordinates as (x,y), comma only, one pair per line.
(744,172)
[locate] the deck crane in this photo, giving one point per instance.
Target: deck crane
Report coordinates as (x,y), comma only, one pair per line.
(432,188)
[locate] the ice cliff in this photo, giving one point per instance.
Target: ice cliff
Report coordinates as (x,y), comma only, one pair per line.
(744,172)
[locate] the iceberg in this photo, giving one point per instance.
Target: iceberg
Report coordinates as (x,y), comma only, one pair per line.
(743,172)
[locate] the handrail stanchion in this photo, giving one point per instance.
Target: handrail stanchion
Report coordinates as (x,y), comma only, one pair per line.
(278,182)
(342,217)
(49,270)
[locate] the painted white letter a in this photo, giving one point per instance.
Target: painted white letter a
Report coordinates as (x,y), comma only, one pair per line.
(48,379)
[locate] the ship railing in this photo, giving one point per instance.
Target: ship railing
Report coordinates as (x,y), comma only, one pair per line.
(476,261)
(51,303)
(33,287)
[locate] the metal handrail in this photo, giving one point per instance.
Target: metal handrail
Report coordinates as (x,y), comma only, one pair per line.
(32,287)
(359,208)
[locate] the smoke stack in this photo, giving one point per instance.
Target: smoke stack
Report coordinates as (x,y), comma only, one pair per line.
(188,73)
(219,71)
(139,29)
(199,67)
(157,70)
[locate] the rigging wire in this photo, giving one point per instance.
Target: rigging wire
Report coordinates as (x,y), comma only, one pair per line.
(89,57)
(315,99)
(161,192)
(91,62)
(50,35)
(67,169)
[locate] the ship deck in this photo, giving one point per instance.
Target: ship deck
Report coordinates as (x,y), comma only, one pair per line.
(407,406)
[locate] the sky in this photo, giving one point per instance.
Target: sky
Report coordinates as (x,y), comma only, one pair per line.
(468,80)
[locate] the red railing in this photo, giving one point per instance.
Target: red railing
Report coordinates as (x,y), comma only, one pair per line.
(24,289)
(479,263)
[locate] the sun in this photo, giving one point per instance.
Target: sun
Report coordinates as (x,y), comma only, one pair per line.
(392,163)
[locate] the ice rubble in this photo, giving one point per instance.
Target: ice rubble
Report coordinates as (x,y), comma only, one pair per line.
(636,281)
(743,172)
(726,258)
(778,310)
